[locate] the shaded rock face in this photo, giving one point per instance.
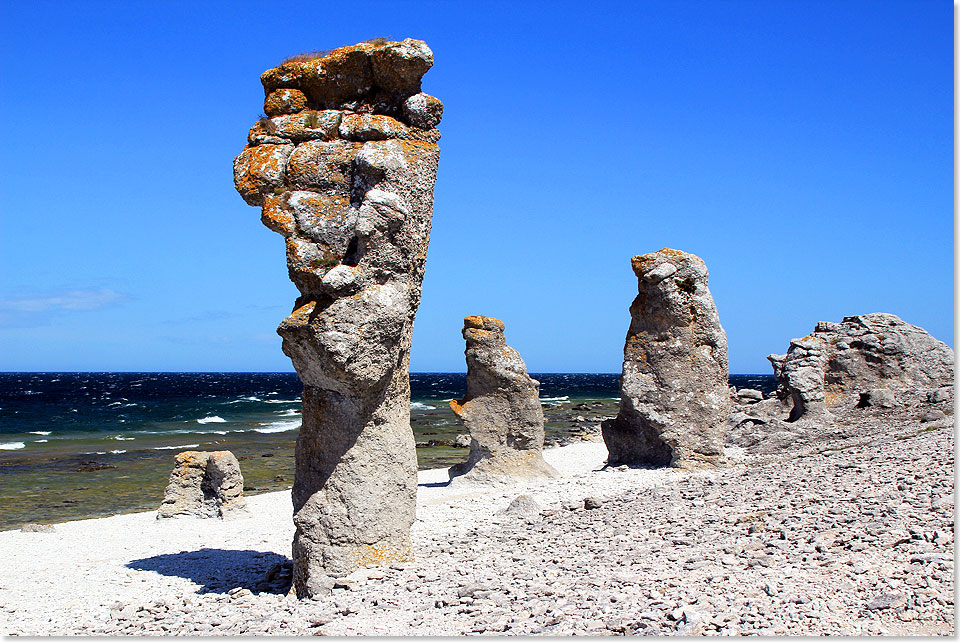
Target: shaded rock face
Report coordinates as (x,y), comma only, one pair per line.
(344,168)
(501,410)
(852,361)
(204,484)
(674,396)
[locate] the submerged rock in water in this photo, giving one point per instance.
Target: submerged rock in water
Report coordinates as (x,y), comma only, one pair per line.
(501,410)
(344,167)
(674,396)
(204,484)
(850,362)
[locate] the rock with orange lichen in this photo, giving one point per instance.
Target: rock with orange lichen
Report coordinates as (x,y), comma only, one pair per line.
(674,399)
(369,77)
(204,484)
(352,193)
(501,410)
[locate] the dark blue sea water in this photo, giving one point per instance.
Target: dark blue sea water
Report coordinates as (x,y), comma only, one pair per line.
(85,444)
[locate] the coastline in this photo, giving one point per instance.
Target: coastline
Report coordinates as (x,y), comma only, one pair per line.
(667,551)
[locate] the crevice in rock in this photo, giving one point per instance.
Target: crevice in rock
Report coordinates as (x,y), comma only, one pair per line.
(354,253)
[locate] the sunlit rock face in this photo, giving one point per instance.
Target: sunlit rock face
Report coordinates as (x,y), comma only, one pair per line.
(204,484)
(343,166)
(838,363)
(674,396)
(501,410)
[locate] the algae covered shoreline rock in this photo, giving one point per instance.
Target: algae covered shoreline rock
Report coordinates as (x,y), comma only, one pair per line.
(343,167)
(501,410)
(674,396)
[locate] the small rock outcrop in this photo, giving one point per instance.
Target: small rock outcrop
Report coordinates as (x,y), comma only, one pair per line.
(851,362)
(861,377)
(501,410)
(204,484)
(674,395)
(343,166)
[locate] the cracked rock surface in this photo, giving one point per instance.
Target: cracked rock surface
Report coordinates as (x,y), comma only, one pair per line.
(674,397)
(343,167)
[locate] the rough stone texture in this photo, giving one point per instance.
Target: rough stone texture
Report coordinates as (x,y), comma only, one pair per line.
(674,397)
(349,184)
(839,361)
(204,484)
(501,410)
(869,366)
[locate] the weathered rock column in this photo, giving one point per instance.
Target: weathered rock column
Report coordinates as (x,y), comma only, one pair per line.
(344,166)
(501,410)
(674,395)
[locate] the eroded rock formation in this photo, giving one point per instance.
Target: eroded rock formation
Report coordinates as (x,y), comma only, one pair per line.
(842,377)
(344,166)
(501,410)
(674,396)
(204,484)
(849,362)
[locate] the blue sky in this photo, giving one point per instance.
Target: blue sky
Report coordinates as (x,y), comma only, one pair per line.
(803,149)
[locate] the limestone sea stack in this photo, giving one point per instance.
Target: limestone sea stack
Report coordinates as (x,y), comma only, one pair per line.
(501,410)
(204,484)
(851,362)
(674,396)
(343,166)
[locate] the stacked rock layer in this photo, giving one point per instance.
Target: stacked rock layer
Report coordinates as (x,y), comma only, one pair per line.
(343,166)
(501,410)
(674,396)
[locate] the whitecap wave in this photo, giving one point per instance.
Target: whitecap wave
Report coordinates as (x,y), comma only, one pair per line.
(40,432)
(176,447)
(297,400)
(122,438)
(213,419)
(242,399)
(563,399)
(292,412)
(278,426)
(117,452)
(40,441)
(416,405)
(13,445)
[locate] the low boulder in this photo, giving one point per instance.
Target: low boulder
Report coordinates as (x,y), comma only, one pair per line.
(204,484)
(838,362)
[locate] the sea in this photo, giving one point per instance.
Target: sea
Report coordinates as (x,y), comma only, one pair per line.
(77,445)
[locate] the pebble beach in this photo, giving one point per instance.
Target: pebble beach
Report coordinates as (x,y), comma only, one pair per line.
(853,537)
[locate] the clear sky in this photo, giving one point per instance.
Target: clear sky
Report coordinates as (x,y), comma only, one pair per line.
(803,149)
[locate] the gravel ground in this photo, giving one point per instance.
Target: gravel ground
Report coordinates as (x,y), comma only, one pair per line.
(850,537)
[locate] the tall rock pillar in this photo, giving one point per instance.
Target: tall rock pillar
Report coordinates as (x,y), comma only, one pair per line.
(343,166)
(674,395)
(501,410)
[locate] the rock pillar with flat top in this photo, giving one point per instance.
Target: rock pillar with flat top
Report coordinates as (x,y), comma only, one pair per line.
(343,166)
